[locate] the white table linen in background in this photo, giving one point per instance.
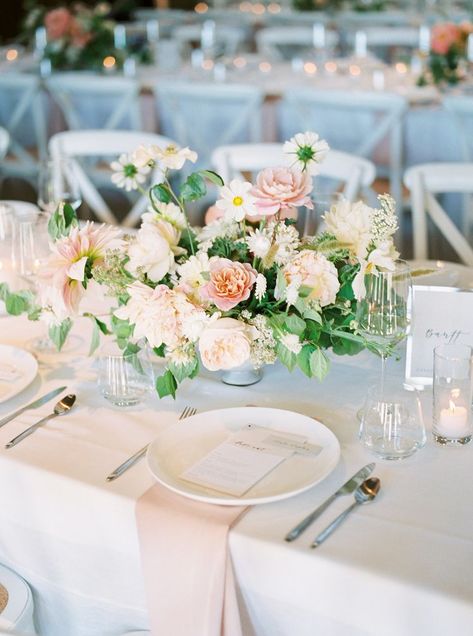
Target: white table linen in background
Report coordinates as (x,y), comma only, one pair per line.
(401,566)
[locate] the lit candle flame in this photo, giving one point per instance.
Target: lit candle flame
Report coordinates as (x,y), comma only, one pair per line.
(11,55)
(109,61)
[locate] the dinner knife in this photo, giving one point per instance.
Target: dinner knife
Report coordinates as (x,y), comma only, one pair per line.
(33,405)
(348,487)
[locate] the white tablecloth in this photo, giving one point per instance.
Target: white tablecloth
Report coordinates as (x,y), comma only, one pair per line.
(399,567)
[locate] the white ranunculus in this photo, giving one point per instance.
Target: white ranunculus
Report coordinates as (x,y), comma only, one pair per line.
(351,223)
(225,344)
(151,254)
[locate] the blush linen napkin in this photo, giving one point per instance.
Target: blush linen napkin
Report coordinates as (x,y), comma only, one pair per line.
(187,568)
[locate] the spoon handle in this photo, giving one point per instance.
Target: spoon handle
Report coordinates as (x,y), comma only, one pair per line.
(29,430)
(320,538)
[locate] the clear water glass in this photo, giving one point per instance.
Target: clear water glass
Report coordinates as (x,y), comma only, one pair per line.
(124,379)
(57,184)
(392,426)
(311,222)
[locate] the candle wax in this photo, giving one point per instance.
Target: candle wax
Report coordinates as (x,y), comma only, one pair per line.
(453,422)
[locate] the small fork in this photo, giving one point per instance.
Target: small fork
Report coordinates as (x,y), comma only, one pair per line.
(131,461)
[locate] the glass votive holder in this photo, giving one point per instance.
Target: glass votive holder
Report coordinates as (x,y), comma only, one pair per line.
(452,394)
(392,423)
(124,379)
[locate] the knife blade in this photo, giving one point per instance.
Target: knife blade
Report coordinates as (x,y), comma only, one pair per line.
(348,487)
(33,405)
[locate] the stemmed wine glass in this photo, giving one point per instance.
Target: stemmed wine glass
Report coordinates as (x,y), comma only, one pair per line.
(57,184)
(382,314)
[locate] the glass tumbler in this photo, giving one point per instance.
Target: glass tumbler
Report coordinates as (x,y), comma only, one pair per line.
(124,379)
(452,394)
(392,425)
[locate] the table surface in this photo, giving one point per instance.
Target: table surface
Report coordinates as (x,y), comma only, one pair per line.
(400,566)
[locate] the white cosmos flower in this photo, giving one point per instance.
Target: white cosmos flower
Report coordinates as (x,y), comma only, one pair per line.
(171,157)
(306,151)
(236,200)
(127,174)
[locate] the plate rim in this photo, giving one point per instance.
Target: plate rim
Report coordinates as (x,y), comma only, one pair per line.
(26,382)
(245,501)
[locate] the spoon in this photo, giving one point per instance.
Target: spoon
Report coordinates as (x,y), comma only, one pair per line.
(363,494)
(61,408)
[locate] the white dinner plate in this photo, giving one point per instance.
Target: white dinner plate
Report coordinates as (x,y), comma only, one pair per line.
(24,369)
(184,443)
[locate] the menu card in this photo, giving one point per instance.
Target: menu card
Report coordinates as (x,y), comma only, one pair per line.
(242,460)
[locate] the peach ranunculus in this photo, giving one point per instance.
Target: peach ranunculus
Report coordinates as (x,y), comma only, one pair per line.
(279,188)
(230,283)
(444,36)
(57,23)
(313,270)
(225,344)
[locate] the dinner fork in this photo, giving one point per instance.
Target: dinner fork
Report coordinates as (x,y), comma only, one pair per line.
(131,461)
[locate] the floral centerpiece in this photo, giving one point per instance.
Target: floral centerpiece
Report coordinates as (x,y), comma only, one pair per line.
(245,288)
(79,37)
(448,50)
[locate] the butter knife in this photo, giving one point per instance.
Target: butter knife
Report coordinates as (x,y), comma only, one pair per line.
(348,487)
(33,405)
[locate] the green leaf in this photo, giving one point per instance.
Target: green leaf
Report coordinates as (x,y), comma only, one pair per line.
(182,371)
(95,340)
(212,176)
(194,188)
(159,351)
(15,304)
(294,324)
(61,221)
(312,332)
(288,358)
(311,314)
(122,330)
(160,193)
(103,327)
(303,359)
(166,385)
(319,364)
(59,333)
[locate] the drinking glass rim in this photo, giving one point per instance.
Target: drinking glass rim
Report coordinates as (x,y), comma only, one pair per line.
(453,357)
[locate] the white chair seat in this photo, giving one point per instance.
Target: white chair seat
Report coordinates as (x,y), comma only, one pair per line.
(4,142)
(21,207)
(17,615)
(425,181)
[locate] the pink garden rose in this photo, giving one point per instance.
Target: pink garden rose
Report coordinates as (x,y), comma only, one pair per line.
(78,36)
(225,344)
(230,283)
(280,188)
(444,36)
(57,23)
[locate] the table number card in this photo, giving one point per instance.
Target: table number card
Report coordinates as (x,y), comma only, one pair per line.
(439,315)
(243,459)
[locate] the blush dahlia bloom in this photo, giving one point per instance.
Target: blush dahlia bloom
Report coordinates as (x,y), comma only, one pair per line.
(230,283)
(313,270)
(225,344)
(279,188)
(66,266)
(161,315)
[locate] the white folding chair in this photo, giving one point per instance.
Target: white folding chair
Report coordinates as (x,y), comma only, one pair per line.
(204,116)
(424,182)
(228,39)
(22,115)
(386,41)
(91,101)
(354,121)
(4,142)
(75,145)
(283,43)
(461,109)
(354,173)
(17,615)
